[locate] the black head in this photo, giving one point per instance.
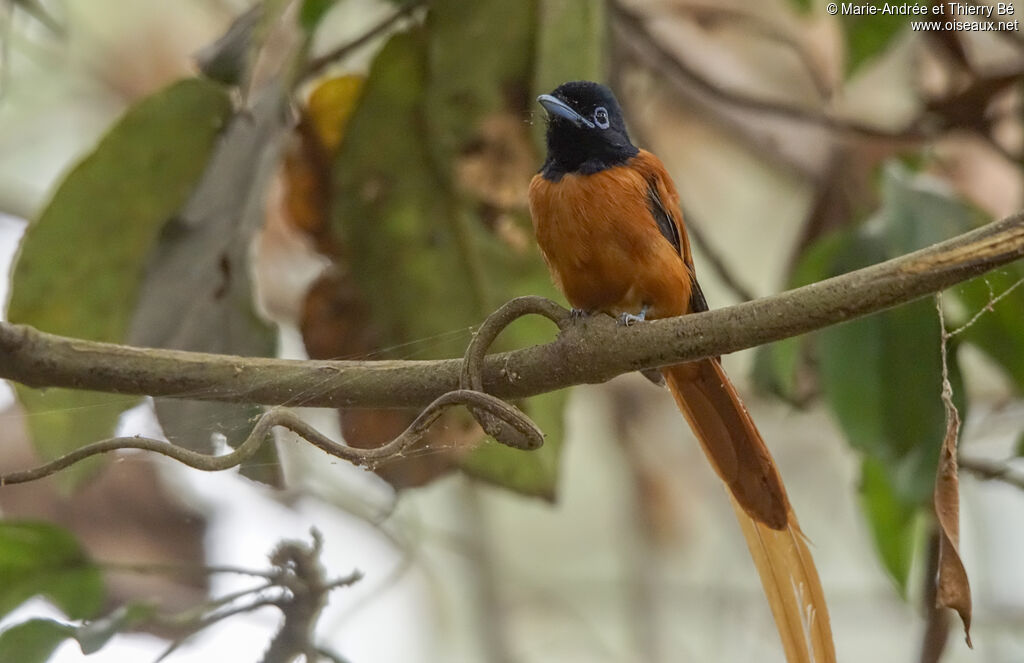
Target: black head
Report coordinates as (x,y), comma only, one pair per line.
(586,132)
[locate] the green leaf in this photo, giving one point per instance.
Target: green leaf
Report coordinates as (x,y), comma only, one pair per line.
(919,210)
(80,263)
(477,52)
(891,520)
(778,365)
(415,244)
(42,559)
(33,641)
(802,6)
(868,36)
(312,12)
(882,375)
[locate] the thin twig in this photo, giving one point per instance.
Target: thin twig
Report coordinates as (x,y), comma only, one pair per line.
(316,65)
(992,471)
(732,16)
(985,309)
(180,569)
(655,55)
(289,420)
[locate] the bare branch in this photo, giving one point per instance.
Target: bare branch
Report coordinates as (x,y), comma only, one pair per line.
(318,64)
(989,470)
(647,48)
(591,351)
(494,407)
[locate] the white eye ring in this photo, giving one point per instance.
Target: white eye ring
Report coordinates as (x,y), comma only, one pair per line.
(601,117)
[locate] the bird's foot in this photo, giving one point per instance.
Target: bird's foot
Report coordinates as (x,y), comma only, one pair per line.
(628,319)
(577,314)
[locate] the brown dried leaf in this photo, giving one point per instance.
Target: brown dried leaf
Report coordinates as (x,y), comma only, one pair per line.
(953,588)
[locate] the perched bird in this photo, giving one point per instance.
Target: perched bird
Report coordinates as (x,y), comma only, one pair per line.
(608,222)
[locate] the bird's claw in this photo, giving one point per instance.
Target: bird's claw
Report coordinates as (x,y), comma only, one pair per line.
(577,314)
(628,319)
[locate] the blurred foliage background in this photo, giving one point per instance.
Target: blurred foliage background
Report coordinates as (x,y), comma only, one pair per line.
(347,179)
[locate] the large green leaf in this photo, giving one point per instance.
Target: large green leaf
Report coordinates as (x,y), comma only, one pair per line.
(415,245)
(33,641)
(43,559)
(478,56)
(891,521)
(882,375)
(79,267)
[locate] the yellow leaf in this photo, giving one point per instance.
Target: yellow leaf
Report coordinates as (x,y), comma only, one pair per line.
(330,107)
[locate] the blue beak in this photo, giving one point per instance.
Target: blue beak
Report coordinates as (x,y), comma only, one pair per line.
(558,108)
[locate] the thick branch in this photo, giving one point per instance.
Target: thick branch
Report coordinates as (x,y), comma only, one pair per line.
(591,351)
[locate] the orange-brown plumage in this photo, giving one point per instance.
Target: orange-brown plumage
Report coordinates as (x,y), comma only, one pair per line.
(606,254)
(609,224)
(604,251)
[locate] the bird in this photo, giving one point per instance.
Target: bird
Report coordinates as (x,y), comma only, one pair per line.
(608,223)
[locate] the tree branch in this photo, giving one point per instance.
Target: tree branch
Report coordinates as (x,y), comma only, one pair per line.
(992,471)
(591,351)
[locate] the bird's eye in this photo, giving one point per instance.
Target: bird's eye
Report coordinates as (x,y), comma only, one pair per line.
(601,117)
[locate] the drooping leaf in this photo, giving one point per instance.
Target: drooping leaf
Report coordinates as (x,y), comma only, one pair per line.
(891,521)
(80,263)
(394,210)
(953,589)
(882,375)
(869,35)
(33,641)
(42,559)
(197,294)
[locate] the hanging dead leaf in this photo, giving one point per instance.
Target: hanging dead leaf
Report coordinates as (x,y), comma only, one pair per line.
(953,587)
